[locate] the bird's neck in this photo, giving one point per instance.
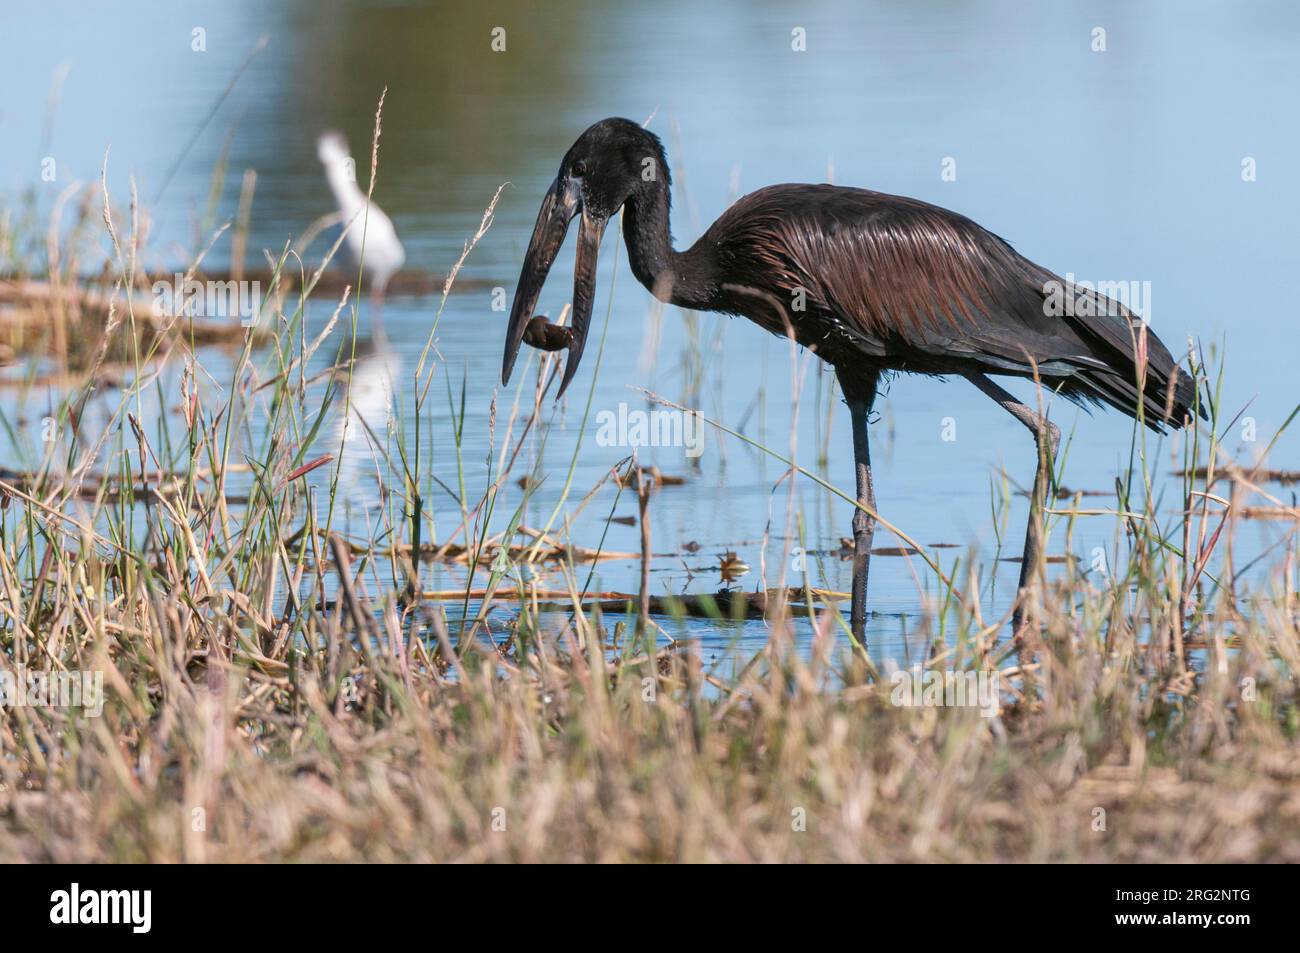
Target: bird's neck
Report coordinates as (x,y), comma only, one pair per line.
(675,277)
(347,193)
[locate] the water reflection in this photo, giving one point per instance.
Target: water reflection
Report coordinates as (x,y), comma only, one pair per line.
(366,422)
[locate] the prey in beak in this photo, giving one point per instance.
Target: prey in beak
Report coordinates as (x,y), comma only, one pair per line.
(545,336)
(563,203)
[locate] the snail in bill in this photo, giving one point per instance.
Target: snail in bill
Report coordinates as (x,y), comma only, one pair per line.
(545,336)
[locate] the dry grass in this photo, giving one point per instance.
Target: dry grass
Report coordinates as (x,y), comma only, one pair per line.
(366,749)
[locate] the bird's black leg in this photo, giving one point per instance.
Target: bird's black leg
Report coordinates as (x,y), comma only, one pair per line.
(860,394)
(1047,437)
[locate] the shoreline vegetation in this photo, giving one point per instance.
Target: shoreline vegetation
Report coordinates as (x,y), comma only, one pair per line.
(278,690)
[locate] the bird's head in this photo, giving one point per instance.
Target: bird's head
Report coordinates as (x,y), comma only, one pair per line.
(332,148)
(611,162)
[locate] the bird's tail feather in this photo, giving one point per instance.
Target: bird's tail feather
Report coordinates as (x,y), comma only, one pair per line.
(1168,396)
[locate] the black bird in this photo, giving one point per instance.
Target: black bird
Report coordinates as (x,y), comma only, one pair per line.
(871,283)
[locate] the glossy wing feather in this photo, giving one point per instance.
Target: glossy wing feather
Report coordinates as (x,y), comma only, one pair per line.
(898,283)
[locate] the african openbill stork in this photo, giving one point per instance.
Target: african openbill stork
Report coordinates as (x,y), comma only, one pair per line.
(870,282)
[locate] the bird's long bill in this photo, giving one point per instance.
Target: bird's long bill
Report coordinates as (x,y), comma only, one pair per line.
(558,209)
(584,293)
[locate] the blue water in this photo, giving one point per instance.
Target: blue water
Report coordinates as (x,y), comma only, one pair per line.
(1123,165)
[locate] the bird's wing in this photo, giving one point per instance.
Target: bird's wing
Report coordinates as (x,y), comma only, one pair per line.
(896,270)
(931,290)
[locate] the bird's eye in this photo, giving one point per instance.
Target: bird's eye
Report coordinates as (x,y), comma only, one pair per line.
(580,168)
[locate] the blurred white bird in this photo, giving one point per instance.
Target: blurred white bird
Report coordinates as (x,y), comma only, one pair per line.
(372,235)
